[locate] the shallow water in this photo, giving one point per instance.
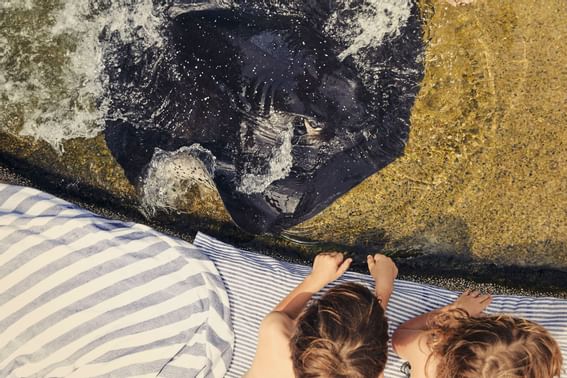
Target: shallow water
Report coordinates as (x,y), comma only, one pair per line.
(52,77)
(483,174)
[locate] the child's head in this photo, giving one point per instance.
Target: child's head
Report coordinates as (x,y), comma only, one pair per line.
(343,334)
(493,346)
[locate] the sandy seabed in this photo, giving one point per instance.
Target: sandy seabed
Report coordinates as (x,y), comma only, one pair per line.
(484,175)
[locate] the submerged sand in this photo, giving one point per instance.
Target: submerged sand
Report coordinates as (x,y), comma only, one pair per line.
(484,173)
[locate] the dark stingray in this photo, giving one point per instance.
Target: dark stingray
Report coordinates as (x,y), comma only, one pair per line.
(262,89)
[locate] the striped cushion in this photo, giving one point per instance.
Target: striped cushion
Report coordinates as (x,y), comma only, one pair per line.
(256,283)
(84,296)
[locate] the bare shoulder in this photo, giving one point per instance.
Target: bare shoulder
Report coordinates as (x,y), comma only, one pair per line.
(277,322)
(412,345)
(273,354)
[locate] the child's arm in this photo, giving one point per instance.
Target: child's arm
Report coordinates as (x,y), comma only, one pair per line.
(384,272)
(327,267)
(409,339)
(277,327)
(471,301)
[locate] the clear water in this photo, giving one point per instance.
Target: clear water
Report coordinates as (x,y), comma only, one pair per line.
(52,79)
(484,170)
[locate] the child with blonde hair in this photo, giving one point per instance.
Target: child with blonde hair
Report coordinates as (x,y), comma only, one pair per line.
(458,340)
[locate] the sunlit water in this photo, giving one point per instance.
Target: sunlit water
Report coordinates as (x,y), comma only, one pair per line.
(52,79)
(483,174)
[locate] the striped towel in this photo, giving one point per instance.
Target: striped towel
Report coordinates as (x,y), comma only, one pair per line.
(256,283)
(84,296)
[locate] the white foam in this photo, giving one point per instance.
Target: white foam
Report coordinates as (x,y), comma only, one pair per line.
(17,4)
(171,174)
(179,8)
(76,109)
(360,24)
(278,151)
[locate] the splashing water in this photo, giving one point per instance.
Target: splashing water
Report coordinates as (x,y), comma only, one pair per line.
(277,155)
(171,174)
(51,66)
(362,24)
(86,65)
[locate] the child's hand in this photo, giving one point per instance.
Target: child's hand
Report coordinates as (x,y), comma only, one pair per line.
(328,266)
(384,271)
(472,302)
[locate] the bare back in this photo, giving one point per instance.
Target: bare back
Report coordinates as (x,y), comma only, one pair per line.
(273,354)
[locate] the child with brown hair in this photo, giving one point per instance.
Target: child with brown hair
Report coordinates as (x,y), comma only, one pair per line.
(458,340)
(344,334)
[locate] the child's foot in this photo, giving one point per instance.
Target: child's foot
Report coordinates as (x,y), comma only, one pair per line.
(473,302)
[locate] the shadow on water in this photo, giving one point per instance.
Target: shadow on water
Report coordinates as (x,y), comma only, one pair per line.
(440,235)
(442,249)
(21,172)
(432,266)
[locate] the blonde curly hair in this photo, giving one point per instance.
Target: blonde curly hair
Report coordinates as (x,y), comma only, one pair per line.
(491,346)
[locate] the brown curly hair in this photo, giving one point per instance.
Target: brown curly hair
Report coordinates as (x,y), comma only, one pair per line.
(344,334)
(491,346)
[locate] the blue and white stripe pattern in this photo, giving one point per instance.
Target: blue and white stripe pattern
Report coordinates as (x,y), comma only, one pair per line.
(84,296)
(256,283)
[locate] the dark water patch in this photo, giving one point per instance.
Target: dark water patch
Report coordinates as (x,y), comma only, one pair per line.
(293,114)
(505,278)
